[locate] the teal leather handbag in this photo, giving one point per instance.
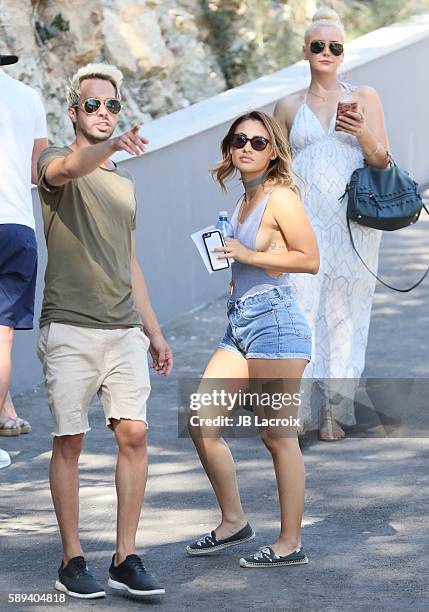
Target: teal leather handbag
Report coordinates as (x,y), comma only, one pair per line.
(384,199)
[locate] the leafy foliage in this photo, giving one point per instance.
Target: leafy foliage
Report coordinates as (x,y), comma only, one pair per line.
(53,29)
(255,37)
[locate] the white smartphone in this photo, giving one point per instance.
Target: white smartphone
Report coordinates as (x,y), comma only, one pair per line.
(213,240)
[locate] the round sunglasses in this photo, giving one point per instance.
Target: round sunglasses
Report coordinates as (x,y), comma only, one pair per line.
(317,46)
(258,143)
(92,105)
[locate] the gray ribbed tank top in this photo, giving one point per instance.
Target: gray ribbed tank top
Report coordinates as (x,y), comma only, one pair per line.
(248,279)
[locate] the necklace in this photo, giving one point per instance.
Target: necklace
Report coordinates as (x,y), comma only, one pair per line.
(324,98)
(254,183)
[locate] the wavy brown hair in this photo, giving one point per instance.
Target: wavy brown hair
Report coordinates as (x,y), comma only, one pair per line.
(279,169)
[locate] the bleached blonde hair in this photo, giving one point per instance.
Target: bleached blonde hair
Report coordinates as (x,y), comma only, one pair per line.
(325,16)
(108,72)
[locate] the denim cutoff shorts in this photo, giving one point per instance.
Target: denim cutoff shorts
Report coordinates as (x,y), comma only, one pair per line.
(267,325)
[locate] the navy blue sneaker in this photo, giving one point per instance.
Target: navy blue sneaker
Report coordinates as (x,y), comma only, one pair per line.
(76,580)
(209,543)
(266,557)
(132,576)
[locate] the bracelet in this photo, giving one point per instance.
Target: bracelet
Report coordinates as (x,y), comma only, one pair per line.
(375,150)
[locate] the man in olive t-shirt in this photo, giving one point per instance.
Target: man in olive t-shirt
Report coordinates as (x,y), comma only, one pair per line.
(97,323)
(88,228)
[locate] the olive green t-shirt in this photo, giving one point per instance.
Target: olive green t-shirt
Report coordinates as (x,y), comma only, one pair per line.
(88,226)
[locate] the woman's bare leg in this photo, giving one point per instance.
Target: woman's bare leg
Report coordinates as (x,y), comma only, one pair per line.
(282,443)
(213,451)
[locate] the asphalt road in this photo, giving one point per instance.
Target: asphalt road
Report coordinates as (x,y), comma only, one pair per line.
(365,526)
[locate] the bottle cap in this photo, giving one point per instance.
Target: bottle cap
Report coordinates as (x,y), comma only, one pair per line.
(223,213)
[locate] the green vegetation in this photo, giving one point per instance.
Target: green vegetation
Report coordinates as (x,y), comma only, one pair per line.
(47,31)
(255,37)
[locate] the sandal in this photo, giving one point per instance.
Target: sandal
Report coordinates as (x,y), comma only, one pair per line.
(14,427)
(330,430)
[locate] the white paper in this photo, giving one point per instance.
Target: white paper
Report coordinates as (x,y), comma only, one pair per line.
(197,238)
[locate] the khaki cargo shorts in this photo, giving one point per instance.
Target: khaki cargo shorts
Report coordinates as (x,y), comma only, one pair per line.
(79,362)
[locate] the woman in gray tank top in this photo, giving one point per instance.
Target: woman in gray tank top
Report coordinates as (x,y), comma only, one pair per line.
(267,342)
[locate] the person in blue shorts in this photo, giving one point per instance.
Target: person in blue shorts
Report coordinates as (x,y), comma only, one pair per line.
(267,343)
(22,138)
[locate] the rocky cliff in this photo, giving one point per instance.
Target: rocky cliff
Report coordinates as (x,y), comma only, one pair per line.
(161,46)
(172,52)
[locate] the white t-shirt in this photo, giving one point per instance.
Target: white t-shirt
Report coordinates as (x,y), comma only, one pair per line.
(22,120)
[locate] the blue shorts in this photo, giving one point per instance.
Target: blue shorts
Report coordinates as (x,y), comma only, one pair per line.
(267,325)
(18,271)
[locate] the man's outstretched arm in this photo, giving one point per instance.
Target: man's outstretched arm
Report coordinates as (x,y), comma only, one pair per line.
(85,160)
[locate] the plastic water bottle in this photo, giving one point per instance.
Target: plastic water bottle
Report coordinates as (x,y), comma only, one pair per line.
(224,226)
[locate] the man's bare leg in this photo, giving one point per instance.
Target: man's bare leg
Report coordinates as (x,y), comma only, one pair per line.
(131,477)
(64,479)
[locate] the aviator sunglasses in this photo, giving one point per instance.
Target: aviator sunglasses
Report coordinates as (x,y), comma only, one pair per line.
(92,105)
(258,143)
(317,46)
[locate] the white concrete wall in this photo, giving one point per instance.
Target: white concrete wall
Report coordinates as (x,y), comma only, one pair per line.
(176,194)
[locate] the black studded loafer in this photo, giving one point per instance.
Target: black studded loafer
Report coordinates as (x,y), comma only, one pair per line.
(209,543)
(266,557)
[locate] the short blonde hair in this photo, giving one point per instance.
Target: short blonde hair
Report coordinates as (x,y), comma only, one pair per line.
(108,72)
(325,16)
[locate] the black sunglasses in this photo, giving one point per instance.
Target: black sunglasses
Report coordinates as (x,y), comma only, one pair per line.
(258,143)
(92,105)
(317,46)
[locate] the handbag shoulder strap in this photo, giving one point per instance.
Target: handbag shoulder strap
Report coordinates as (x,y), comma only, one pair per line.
(375,275)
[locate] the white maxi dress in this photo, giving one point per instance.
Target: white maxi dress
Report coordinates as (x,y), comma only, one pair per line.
(337,301)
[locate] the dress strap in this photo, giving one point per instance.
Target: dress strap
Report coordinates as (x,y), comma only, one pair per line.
(234,217)
(348,86)
(263,205)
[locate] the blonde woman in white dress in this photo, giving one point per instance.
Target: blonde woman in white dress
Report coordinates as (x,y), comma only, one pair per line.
(336,302)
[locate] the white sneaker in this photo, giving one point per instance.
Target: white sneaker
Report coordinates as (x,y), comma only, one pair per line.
(4,459)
